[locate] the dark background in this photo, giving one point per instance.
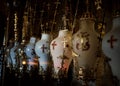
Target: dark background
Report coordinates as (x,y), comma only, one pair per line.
(9,7)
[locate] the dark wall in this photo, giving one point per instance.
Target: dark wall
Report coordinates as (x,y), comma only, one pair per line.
(109,7)
(2,27)
(2,22)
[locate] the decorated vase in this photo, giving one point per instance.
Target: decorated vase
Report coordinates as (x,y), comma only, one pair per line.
(85,41)
(111,46)
(61,52)
(13,55)
(30,53)
(42,49)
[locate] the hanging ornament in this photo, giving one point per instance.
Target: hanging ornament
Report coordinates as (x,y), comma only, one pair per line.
(85,41)
(9,60)
(42,49)
(61,51)
(13,53)
(30,53)
(111,45)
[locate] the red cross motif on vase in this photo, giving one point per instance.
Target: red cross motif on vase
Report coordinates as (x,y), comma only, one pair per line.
(111,41)
(54,44)
(43,48)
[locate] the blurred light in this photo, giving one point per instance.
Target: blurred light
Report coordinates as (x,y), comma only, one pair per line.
(24,62)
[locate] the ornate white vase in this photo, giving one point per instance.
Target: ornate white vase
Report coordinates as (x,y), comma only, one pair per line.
(111,46)
(61,51)
(13,55)
(42,49)
(85,41)
(30,53)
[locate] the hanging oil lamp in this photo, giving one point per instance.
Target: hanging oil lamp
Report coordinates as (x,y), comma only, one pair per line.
(13,53)
(85,41)
(42,49)
(30,53)
(9,63)
(29,47)
(111,45)
(61,51)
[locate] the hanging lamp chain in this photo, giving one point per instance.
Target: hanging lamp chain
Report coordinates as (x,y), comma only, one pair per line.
(74,21)
(53,22)
(15,27)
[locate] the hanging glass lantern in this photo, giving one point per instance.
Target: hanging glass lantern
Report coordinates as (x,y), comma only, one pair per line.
(30,53)
(111,45)
(61,51)
(29,49)
(13,55)
(85,41)
(42,49)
